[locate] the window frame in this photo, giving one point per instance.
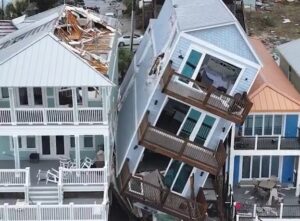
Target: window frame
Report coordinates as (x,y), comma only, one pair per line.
(83,142)
(1,93)
(23,143)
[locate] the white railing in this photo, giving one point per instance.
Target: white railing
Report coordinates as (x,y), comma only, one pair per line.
(85,176)
(86,115)
(57,212)
(14,177)
(51,116)
(5,116)
(59,115)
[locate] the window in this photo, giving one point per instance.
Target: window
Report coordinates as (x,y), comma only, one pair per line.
(263,125)
(190,123)
(23,96)
(182,178)
(248,125)
(88,141)
(204,130)
(65,97)
(37,96)
(31,142)
(60,146)
(191,64)
(20,142)
(258,125)
(246,167)
(268,125)
(278,124)
(4,93)
(72,141)
(171,173)
(259,166)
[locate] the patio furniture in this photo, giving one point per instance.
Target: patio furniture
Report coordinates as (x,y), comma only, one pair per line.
(64,162)
(41,175)
(34,158)
(87,163)
(51,177)
(267,184)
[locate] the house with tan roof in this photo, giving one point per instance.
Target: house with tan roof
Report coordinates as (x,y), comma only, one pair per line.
(265,149)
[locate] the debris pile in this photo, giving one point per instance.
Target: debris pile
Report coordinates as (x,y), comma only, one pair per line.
(87,35)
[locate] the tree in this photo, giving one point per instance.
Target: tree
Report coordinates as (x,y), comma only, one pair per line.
(15,10)
(44,5)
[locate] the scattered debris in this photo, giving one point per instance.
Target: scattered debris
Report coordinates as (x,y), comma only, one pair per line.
(286,20)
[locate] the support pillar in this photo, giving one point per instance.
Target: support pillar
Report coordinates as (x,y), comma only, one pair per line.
(77,151)
(231,158)
(16,152)
(298,178)
(12,106)
(75,106)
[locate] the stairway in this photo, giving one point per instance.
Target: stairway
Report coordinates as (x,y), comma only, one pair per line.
(43,194)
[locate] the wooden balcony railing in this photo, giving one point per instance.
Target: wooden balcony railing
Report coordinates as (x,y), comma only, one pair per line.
(168,144)
(267,143)
(138,190)
(233,108)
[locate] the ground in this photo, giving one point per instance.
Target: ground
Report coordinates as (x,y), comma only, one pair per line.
(275,23)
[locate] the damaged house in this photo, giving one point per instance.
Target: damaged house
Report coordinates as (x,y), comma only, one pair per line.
(58,77)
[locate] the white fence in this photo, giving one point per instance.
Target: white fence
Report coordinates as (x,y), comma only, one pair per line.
(14,177)
(85,176)
(53,212)
(51,116)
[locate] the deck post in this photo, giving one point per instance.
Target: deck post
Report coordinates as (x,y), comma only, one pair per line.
(298,178)
(5,212)
(12,106)
(231,158)
(107,158)
(75,107)
(71,211)
(77,151)
(16,152)
(38,211)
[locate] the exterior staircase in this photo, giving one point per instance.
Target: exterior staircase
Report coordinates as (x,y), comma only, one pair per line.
(43,194)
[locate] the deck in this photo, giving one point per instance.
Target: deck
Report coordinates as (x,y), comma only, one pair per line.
(170,145)
(207,97)
(154,196)
(247,197)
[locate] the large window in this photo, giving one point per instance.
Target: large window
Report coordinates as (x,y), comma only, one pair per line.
(204,130)
(37,96)
(191,64)
(260,166)
(27,142)
(23,96)
(190,123)
(182,178)
(263,125)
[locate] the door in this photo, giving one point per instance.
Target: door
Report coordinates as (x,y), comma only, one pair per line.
(53,147)
(291,125)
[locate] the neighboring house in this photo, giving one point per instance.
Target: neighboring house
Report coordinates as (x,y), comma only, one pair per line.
(185,88)
(267,146)
(57,116)
(289,61)
(6,27)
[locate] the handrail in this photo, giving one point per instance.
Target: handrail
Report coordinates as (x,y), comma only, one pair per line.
(13,177)
(272,142)
(233,108)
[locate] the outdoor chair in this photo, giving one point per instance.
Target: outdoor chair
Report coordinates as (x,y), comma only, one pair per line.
(51,177)
(41,175)
(87,163)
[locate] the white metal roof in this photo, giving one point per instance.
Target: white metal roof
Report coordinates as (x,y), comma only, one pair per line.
(47,63)
(291,52)
(195,14)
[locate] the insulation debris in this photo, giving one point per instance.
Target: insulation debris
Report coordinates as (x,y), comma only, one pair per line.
(87,35)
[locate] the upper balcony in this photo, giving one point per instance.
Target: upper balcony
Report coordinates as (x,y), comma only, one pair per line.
(170,145)
(207,97)
(267,143)
(147,191)
(53,106)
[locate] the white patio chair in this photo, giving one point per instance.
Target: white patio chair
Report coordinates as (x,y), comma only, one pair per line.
(51,177)
(87,163)
(65,163)
(41,175)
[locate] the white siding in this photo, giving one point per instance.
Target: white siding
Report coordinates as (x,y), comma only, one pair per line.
(246,80)
(181,49)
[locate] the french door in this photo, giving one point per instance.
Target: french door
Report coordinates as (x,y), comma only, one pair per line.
(53,147)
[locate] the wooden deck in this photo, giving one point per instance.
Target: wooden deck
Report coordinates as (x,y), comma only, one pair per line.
(162,199)
(170,145)
(233,108)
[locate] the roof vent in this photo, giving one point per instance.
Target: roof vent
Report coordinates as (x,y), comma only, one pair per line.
(175,6)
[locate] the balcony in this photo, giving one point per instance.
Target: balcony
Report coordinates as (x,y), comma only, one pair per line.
(170,145)
(267,143)
(157,197)
(51,116)
(233,108)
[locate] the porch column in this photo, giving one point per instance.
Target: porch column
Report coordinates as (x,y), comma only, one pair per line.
(77,151)
(104,104)
(12,105)
(16,152)
(75,107)
(107,162)
(231,158)
(298,178)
